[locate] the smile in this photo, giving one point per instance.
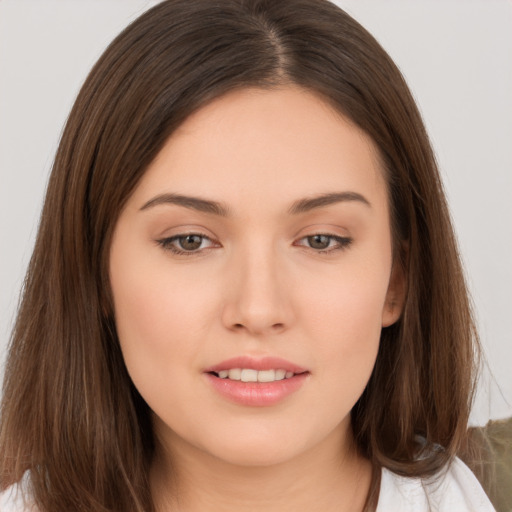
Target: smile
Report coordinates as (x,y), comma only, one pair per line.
(256,382)
(250,375)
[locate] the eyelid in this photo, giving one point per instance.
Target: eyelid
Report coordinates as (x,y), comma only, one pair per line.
(167,243)
(343,242)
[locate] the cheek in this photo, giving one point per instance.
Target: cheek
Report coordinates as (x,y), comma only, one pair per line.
(346,320)
(161,320)
(155,302)
(348,301)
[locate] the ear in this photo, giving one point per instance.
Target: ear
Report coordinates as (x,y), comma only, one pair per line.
(395,296)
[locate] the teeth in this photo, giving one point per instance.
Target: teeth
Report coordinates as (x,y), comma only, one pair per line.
(250,375)
(235,374)
(280,374)
(266,376)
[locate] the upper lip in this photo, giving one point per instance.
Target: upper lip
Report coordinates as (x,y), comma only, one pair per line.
(262,363)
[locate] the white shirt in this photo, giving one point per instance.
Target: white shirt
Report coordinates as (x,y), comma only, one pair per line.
(457,490)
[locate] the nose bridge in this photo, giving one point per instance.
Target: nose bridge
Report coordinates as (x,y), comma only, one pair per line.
(258,301)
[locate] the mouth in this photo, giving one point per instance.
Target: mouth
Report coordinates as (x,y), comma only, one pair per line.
(252,375)
(253,369)
(256,382)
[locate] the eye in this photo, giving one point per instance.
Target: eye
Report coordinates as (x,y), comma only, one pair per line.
(324,243)
(186,243)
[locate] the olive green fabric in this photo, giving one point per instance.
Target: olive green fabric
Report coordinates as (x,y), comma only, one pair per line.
(489,455)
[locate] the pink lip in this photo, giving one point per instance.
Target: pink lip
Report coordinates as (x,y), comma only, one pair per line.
(256,394)
(264,363)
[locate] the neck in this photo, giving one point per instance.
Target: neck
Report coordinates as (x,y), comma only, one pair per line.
(330,477)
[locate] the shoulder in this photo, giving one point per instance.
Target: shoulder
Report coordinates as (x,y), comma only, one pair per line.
(454,490)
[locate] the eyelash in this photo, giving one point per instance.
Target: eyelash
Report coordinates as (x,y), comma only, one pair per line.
(167,243)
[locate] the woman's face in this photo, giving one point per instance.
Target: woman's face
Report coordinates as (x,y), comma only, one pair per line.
(256,246)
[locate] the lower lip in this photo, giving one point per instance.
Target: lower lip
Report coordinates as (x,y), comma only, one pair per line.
(257,394)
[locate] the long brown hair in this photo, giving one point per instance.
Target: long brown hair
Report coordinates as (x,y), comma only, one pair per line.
(70,415)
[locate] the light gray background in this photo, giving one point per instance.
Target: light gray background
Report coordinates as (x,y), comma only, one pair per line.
(455,54)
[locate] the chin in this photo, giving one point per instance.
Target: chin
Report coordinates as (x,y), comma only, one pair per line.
(254,455)
(258,445)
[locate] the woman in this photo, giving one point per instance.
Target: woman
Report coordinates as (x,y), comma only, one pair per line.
(245,291)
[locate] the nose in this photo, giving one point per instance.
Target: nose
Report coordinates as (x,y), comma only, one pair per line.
(258,300)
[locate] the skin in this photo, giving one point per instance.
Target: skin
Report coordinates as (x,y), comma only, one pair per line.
(257,286)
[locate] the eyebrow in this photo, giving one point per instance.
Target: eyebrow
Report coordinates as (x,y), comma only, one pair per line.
(193,203)
(311,203)
(213,207)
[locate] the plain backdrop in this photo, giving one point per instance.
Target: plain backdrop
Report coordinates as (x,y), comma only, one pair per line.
(455,54)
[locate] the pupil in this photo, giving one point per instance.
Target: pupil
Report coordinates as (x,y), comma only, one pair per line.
(318,241)
(190,242)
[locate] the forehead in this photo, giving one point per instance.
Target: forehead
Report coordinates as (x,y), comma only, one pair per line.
(276,145)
